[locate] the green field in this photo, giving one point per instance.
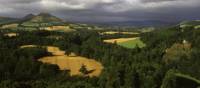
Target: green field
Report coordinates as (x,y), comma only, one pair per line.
(132,43)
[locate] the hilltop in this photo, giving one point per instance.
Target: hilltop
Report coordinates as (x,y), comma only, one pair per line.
(45,17)
(43,21)
(28,17)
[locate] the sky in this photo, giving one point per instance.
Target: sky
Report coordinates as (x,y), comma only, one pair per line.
(105,10)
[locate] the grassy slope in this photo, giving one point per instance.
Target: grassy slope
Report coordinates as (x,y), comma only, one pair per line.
(132,43)
(6,20)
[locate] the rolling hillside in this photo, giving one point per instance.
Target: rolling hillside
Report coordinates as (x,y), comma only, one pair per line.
(45,17)
(4,20)
(190,24)
(42,21)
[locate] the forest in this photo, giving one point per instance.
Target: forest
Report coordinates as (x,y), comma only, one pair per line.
(170,59)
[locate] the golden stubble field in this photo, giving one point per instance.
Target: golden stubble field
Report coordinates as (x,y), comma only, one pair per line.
(70,62)
(74,63)
(11,34)
(119,40)
(116,32)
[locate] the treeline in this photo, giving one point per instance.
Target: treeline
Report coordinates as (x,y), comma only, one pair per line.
(118,35)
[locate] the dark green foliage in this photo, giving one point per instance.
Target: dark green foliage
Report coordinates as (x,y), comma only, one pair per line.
(118,35)
(35,52)
(84,70)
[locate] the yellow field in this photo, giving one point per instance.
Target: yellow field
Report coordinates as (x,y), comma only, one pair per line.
(11,34)
(55,51)
(74,64)
(10,26)
(55,28)
(70,62)
(119,40)
(115,32)
(28,46)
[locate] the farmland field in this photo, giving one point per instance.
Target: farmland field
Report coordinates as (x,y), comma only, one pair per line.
(11,34)
(115,32)
(69,62)
(118,40)
(127,42)
(132,43)
(74,63)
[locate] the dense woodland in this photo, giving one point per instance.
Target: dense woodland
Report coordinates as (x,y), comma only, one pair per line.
(123,68)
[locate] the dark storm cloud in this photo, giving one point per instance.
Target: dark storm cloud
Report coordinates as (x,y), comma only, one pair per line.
(105,10)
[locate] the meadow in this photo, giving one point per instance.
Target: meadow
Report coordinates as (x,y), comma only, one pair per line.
(127,42)
(132,43)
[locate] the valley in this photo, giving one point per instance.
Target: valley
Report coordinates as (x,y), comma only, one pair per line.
(43,51)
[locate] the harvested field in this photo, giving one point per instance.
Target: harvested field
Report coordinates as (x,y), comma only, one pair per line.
(119,40)
(70,62)
(28,46)
(74,64)
(58,28)
(11,34)
(55,28)
(115,32)
(133,43)
(10,26)
(127,42)
(55,51)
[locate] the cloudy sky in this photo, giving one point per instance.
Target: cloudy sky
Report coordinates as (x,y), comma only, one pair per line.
(105,10)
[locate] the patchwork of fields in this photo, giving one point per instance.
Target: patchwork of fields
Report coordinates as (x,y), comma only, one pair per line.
(132,43)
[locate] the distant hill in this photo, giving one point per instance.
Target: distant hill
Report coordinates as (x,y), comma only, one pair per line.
(44,21)
(194,22)
(41,20)
(138,23)
(28,17)
(5,20)
(190,24)
(30,22)
(45,17)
